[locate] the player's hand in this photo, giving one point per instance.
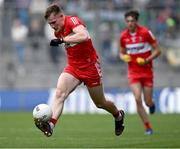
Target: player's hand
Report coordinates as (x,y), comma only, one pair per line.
(126,58)
(56,42)
(141,61)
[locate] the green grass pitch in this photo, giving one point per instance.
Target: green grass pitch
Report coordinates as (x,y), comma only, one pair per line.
(17,130)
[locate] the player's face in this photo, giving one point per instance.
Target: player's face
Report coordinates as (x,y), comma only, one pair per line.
(56,21)
(131,23)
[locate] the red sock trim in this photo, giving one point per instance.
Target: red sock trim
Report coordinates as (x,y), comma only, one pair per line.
(53,120)
(147,125)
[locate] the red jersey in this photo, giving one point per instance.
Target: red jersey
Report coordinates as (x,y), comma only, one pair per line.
(138,44)
(79,54)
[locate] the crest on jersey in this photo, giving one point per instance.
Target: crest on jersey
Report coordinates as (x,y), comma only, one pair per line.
(133,39)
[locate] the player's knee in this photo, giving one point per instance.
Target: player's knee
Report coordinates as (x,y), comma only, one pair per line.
(60,95)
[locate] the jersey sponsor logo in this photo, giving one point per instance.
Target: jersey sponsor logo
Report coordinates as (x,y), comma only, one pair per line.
(138,48)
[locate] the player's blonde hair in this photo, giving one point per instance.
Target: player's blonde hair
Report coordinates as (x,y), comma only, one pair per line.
(54,8)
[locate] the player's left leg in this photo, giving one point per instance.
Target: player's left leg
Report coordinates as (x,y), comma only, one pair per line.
(136,90)
(65,85)
(97,95)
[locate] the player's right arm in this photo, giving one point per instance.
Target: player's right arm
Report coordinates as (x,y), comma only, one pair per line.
(124,56)
(123,53)
(80,34)
(79,31)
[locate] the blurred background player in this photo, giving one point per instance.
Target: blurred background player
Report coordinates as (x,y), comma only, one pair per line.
(83,66)
(138,48)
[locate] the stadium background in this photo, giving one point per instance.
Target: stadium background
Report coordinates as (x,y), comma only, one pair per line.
(29,68)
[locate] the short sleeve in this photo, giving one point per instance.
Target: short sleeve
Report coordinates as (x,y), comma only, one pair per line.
(74,22)
(150,37)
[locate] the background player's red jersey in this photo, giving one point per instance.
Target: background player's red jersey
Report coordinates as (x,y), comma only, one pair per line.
(138,44)
(80,54)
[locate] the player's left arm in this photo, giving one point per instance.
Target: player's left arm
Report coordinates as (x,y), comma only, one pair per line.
(155,52)
(80,34)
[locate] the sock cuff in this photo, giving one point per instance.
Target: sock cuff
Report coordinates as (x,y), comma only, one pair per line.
(147,125)
(53,120)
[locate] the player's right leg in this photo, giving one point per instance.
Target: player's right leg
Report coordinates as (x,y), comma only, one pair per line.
(65,85)
(44,127)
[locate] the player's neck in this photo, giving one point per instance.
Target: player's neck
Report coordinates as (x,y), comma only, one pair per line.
(133,31)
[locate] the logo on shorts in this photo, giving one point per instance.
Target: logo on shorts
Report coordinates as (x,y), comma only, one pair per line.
(95,83)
